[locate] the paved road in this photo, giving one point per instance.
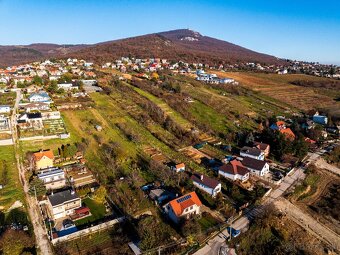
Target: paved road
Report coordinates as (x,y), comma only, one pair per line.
(309,223)
(214,245)
(43,244)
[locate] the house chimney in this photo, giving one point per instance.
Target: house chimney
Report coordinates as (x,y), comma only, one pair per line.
(202,177)
(72,192)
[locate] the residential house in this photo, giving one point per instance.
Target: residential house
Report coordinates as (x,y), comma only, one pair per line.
(67,86)
(183,207)
(320,119)
(281,127)
(227,80)
(255,166)
(288,133)
(32,88)
(36,107)
(265,148)
(53,178)
(160,195)
(178,167)
(207,184)
(39,97)
(62,204)
(5,108)
(234,171)
(80,175)
(30,120)
(250,152)
(89,82)
(43,159)
(3,80)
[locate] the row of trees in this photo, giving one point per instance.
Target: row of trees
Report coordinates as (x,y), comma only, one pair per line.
(15,241)
(281,146)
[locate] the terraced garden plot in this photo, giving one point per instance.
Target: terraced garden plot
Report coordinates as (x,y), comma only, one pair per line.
(31,132)
(130,104)
(9,178)
(278,87)
(166,108)
(54,127)
(223,104)
(7,98)
(194,154)
(208,116)
(4,136)
(211,151)
(115,114)
(156,155)
(81,123)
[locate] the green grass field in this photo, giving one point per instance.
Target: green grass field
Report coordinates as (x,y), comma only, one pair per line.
(97,211)
(166,108)
(12,191)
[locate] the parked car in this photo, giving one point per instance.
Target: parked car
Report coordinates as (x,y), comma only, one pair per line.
(278,174)
(67,223)
(234,232)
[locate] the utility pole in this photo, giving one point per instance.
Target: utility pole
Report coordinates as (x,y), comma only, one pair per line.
(35,193)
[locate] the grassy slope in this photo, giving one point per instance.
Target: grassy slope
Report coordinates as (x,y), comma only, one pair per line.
(279,87)
(224,107)
(116,114)
(13,190)
(167,109)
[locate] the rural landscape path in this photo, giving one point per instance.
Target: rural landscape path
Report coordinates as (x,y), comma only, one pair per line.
(308,223)
(321,163)
(43,244)
(213,246)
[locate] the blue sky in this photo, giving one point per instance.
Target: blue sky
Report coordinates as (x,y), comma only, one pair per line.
(299,29)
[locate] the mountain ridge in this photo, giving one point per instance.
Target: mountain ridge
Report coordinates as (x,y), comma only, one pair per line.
(181,44)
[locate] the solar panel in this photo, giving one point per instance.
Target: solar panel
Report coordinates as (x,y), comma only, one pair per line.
(182,199)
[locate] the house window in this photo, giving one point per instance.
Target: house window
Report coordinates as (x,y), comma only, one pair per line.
(191,207)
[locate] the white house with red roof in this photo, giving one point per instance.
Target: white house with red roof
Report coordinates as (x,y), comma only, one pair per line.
(234,170)
(183,207)
(178,167)
(207,184)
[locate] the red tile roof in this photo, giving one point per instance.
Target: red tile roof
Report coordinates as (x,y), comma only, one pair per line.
(280,123)
(178,205)
(288,133)
(234,167)
(181,165)
(39,155)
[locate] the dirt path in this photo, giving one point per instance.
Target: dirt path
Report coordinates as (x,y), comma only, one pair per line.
(43,244)
(309,223)
(321,163)
(99,117)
